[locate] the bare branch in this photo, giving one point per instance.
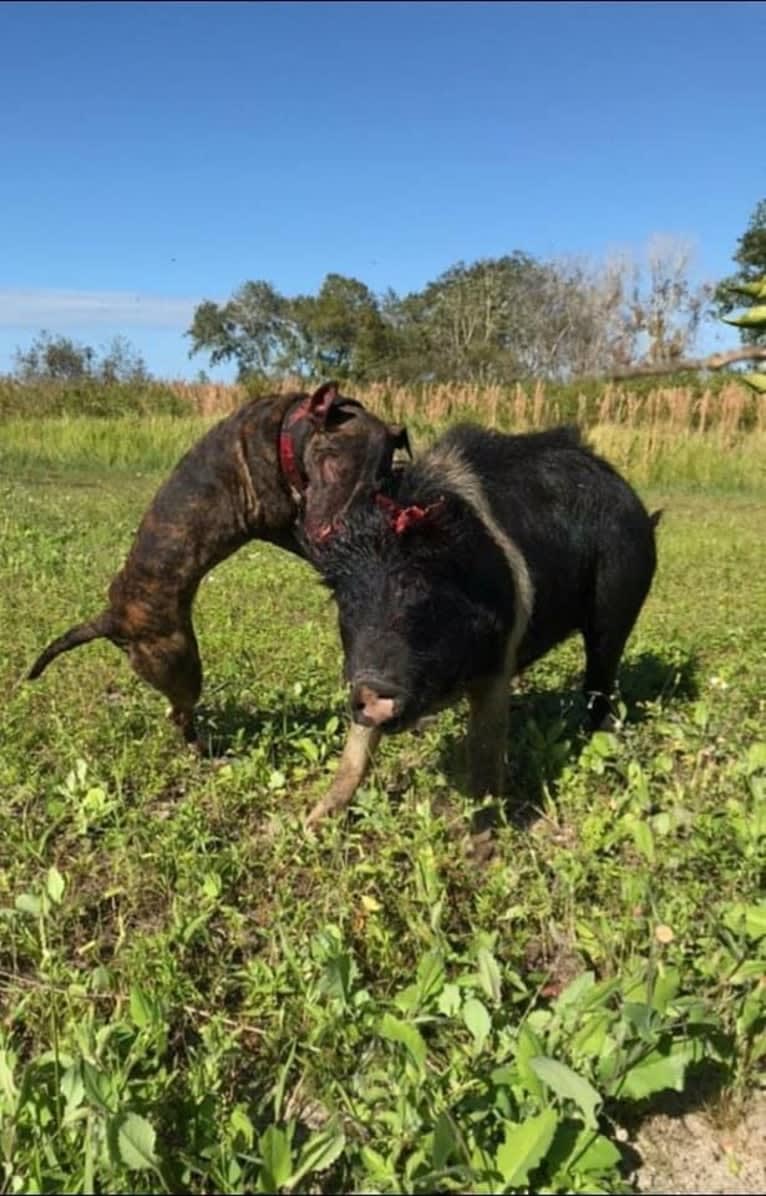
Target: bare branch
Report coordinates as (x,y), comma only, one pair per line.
(715,361)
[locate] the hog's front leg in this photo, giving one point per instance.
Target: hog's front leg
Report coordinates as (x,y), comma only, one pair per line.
(488,735)
(357,754)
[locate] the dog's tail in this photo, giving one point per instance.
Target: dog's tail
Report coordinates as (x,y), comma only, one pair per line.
(83,633)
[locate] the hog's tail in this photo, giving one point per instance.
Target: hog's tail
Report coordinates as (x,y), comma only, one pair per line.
(83,633)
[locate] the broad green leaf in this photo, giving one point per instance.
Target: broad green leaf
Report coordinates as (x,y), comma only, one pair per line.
(576,990)
(375,1164)
(639,1017)
(337,976)
(477,1020)
(666,987)
(7,1083)
(662,823)
(750,918)
(756,753)
(414,1162)
(100,979)
(28,903)
(277,1159)
(319,1153)
(212,886)
(752,1012)
(643,839)
(751,969)
(55,885)
(600,993)
(590,1038)
(242,1125)
(604,744)
(525,1146)
(449,1000)
(408,1000)
(489,975)
(757,381)
(758,1048)
(97,1088)
(309,749)
(135,1142)
(529,1046)
(444,1141)
(655,1073)
(593,1152)
(72,1087)
(395,1030)
(430,976)
(141,1008)
(568,1085)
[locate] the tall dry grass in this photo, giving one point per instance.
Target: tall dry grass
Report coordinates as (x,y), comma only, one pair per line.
(731,409)
(668,435)
(717,453)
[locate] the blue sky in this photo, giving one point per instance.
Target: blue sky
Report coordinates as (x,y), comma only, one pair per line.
(153,155)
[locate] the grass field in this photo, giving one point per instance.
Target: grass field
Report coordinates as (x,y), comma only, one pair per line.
(198,996)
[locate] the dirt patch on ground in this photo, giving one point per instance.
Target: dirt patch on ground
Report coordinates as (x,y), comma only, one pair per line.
(696,1153)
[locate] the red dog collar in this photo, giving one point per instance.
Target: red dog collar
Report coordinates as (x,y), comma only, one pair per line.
(287,456)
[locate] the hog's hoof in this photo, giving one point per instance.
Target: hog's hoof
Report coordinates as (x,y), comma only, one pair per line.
(319,812)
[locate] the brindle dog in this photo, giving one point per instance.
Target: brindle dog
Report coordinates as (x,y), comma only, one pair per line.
(276,460)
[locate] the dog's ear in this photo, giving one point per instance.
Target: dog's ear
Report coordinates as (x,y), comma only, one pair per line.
(321,402)
(401,438)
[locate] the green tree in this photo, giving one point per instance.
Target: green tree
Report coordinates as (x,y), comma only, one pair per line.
(54,358)
(495,320)
(59,358)
(256,329)
(339,331)
(461,325)
(121,362)
(751,259)
(346,329)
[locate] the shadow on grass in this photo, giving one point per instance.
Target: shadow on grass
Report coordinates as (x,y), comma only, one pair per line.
(548,729)
(229,727)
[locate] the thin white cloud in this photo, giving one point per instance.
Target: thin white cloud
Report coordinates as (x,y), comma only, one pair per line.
(67,309)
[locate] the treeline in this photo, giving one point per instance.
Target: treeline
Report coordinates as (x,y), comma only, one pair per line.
(497,320)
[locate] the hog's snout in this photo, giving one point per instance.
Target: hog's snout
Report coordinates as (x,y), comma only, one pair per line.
(374,702)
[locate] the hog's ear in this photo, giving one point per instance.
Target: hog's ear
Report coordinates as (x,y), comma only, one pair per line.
(321,401)
(401,438)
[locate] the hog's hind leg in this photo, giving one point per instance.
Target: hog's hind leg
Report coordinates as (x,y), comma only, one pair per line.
(613,617)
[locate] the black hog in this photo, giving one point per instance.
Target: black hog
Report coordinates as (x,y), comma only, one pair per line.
(253,475)
(471,564)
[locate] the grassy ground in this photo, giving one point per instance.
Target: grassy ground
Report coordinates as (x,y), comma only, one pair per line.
(197,996)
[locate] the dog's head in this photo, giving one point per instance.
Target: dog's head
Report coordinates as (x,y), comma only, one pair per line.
(347,452)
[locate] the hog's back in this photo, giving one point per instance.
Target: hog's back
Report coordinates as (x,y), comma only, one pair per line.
(584,534)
